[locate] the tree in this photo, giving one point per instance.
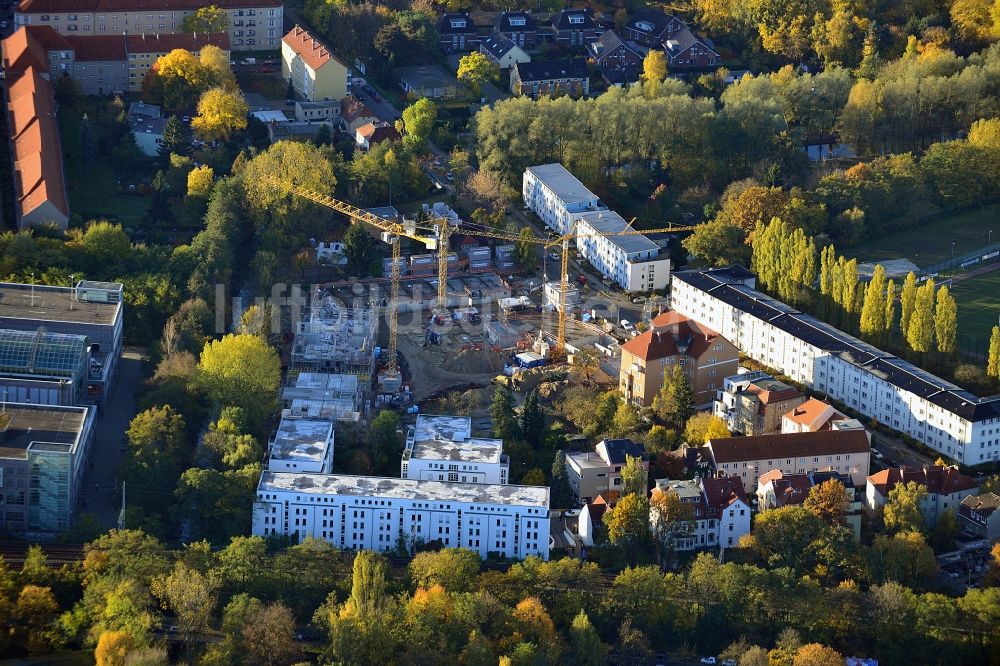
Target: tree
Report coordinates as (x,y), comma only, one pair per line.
(634,476)
(815,654)
(704,426)
(561,494)
(943,536)
(902,508)
(945,321)
(384,436)
(625,420)
(532,419)
(368,586)
(113,648)
(454,569)
(176,138)
(904,558)
(88,146)
(670,518)
(221,112)
(268,636)
(920,333)
(628,522)
(874,310)
(524,248)
(502,415)
(717,243)
(587,361)
(219,503)
(829,501)
(208,19)
(993,357)
(475,69)
(241,370)
(105,245)
(674,404)
(418,121)
(907,301)
(323,136)
(487,186)
(36,612)
(192,598)
(586,647)
(200,180)
(358,246)
(654,66)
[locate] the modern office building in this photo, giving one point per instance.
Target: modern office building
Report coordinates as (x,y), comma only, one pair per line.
(252,24)
(315,72)
(562,202)
(301,444)
(41,368)
(383,514)
(876,384)
(441,448)
(90,309)
(44,451)
(672,340)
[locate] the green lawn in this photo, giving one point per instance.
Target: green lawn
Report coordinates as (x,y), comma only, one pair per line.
(931,243)
(978,304)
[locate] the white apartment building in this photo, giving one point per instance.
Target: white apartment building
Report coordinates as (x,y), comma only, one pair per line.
(382,514)
(441,448)
(301,444)
(562,201)
(948,419)
(722,513)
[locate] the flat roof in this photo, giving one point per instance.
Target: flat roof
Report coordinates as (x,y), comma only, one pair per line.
(608,221)
(302,439)
(54,304)
(587,459)
(408,489)
(449,438)
(39,426)
(563,184)
(894,370)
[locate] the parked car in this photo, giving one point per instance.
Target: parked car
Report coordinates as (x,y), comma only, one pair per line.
(627,325)
(708,660)
(582,279)
(639,299)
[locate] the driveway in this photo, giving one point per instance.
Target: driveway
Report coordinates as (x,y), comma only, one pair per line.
(101,491)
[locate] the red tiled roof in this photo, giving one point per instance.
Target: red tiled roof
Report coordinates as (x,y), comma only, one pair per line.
(117,47)
(766,397)
(376,133)
(24,49)
(807,413)
(671,334)
(937,479)
(60,6)
(352,108)
(37,155)
(314,52)
(789,445)
(721,492)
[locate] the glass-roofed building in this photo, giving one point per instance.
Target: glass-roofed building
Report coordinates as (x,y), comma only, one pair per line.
(42,368)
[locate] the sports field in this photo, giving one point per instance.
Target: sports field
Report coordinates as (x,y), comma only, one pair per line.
(930,243)
(978,304)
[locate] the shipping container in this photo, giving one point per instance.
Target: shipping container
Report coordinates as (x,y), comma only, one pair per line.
(530,360)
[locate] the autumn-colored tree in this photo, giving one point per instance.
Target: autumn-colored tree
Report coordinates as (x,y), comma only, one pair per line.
(113,648)
(920,332)
(993,356)
(628,522)
(654,66)
(985,133)
(36,612)
(874,309)
(206,20)
(242,370)
(815,654)
(670,518)
(902,507)
(704,426)
(199,181)
(945,321)
(220,113)
(269,635)
(752,206)
(829,500)
(475,69)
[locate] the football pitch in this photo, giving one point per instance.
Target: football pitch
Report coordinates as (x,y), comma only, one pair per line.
(978,304)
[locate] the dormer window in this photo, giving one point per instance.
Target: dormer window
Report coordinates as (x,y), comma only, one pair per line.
(458,23)
(576,19)
(517,21)
(645,26)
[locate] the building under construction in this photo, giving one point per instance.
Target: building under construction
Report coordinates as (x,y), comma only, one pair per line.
(334,337)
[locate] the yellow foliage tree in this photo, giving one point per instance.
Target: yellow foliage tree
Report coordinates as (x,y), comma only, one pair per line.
(654,66)
(113,648)
(241,370)
(704,426)
(220,112)
(815,654)
(199,181)
(216,65)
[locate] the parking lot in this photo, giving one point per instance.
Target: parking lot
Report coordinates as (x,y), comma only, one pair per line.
(966,566)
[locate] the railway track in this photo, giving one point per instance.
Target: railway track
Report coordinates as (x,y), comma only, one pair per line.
(58,554)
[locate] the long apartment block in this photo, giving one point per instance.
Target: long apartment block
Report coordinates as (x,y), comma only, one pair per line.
(252,24)
(894,392)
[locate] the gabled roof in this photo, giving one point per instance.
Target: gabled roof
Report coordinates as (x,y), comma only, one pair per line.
(608,42)
(937,479)
(378,131)
(445,27)
(672,334)
(985,504)
(502,22)
(789,445)
(315,53)
(684,39)
(618,449)
(810,412)
(561,19)
(352,108)
(25,48)
(654,17)
(721,492)
(498,45)
(546,70)
(792,489)
(769,391)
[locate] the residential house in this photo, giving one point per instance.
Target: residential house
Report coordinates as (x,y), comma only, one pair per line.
(354,114)
(978,514)
(633,261)
(593,473)
(501,50)
(575,27)
(946,488)
(620,62)
(369,134)
(754,403)
(878,385)
(315,72)
(324,111)
(252,24)
(651,27)
(147,124)
(550,77)
(457,32)
(686,50)
(812,415)
(431,81)
(36,153)
(674,340)
(777,489)
(519,27)
(845,451)
(721,510)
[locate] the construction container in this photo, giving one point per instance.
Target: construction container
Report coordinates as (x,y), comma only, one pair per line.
(503,250)
(530,360)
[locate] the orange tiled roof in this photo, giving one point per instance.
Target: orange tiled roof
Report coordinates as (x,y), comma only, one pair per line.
(937,479)
(669,334)
(59,6)
(314,52)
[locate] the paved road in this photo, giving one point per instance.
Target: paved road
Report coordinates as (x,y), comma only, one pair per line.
(100,488)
